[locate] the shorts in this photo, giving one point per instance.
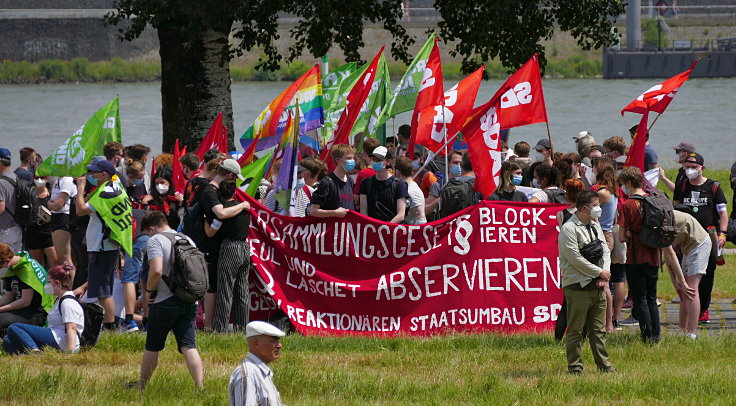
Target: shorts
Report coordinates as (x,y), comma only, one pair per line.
(696,262)
(101,273)
(171,315)
(38,240)
(618,273)
(60,221)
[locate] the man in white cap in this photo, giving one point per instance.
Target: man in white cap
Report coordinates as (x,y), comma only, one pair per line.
(252,381)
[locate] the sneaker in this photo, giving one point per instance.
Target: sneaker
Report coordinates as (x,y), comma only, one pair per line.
(130,327)
(630,321)
(704,317)
(692,336)
(659,303)
(676,300)
(617,325)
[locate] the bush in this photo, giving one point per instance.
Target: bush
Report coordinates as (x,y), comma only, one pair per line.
(51,69)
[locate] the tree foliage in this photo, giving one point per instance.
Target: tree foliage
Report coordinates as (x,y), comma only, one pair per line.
(480,30)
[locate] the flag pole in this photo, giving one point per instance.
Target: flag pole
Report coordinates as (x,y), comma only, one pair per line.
(433,154)
(655,120)
(549,137)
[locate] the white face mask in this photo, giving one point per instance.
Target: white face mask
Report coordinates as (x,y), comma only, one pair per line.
(162,189)
(48,289)
(40,182)
(692,173)
(596,212)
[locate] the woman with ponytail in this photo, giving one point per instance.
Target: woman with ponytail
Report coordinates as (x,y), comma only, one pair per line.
(65,319)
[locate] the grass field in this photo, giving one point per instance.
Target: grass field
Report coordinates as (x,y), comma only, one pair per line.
(454,369)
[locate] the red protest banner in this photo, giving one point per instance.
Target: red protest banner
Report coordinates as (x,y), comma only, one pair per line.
(490,267)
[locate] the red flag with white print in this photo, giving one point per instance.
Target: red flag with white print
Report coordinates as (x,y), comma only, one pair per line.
(431,94)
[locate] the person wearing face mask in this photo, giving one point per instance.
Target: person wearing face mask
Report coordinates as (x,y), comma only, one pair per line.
(310,171)
(383,196)
(585,264)
(369,146)
(136,188)
(682,151)
(334,194)
(455,160)
(425,178)
(113,152)
(708,203)
(213,209)
(163,197)
(510,178)
(24,300)
(547,178)
(65,319)
(642,262)
(38,240)
(544,151)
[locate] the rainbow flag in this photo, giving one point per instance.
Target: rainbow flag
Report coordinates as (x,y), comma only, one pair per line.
(306,91)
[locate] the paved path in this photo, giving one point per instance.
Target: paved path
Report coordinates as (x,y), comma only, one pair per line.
(722,317)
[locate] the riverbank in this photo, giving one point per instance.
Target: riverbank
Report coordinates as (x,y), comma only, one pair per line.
(81,70)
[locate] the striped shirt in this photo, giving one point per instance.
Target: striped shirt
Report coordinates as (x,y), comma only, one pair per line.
(252,384)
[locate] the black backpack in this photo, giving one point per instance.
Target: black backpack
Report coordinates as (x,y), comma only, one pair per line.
(193,223)
(94,316)
(555,195)
(187,278)
(385,213)
(457,195)
(25,211)
(658,230)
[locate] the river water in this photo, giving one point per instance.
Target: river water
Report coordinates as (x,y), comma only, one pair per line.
(704,112)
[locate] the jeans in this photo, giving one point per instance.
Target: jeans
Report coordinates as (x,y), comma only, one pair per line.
(643,290)
(21,337)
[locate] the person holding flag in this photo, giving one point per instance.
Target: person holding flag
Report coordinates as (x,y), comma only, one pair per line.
(25,300)
(110,227)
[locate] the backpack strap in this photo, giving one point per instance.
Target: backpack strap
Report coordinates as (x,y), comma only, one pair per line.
(333,192)
(61,300)
(14,184)
(307,191)
(172,238)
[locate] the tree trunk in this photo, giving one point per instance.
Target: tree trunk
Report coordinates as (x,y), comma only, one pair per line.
(195,85)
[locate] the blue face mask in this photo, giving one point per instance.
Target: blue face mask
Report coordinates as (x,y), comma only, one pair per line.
(415,165)
(516,181)
(92,181)
(456,170)
(300,183)
(138,182)
(377,166)
(349,165)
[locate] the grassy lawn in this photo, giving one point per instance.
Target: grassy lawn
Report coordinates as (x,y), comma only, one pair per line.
(456,369)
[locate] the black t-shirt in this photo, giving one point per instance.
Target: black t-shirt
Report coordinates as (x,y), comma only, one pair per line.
(513,196)
(15,285)
(382,198)
(702,201)
(235,228)
(193,191)
(208,200)
(39,229)
(332,198)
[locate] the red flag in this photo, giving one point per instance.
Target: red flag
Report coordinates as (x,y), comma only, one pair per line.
(430,95)
(522,102)
(356,98)
(458,102)
(216,138)
(658,97)
(482,131)
(177,172)
(636,151)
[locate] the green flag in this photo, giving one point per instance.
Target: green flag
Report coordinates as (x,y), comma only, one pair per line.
(32,274)
(254,172)
(404,96)
(113,205)
(331,83)
(73,156)
(371,110)
(340,100)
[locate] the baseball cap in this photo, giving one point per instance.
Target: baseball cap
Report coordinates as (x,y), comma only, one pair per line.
(102,166)
(232,166)
(684,146)
(582,134)
(695,158)
(543,143)
(380,152)
(4,153)
(261,328)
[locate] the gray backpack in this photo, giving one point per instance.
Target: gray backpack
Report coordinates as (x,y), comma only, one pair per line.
(187,278)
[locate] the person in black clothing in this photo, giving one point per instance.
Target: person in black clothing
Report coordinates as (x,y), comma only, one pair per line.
(510,178)
(334,194)
(383,196)
(213,209)
(136,189)
(37,236)
(708,203)
(163,197)
(682,151)
(233,263)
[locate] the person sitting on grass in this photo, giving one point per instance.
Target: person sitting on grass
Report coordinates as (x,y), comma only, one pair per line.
(65,320)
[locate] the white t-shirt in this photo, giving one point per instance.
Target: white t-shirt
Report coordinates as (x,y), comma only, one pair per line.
(542,196)
(160,246)
(71,312)
(415,203)
(66,185)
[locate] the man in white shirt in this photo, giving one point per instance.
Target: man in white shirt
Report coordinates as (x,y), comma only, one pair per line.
(252,381)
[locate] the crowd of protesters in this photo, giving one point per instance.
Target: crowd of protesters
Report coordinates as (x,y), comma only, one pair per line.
(603,214)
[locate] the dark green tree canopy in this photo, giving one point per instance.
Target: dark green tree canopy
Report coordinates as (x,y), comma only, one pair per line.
(510,30)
